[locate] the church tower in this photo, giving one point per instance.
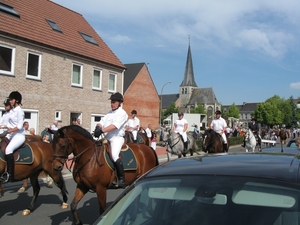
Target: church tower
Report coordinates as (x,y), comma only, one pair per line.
(188,84)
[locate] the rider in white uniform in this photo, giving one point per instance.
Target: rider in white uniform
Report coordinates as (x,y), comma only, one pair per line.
(180,126)
(113,127)
(133,125)
(15,129)
(219,125)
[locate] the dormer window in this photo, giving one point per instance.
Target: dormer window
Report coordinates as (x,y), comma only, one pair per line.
(8,9)
(54,26)
(88,38)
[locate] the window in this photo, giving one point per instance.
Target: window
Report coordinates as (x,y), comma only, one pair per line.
(182,91)
(7,60)
(185,90)
(77,75)
(54,26)
(8,9)
(57,115)
(33,65)
(112,83)
(88,38)
(97,77)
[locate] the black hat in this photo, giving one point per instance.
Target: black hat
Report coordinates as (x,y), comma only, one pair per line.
(218,112)
(133,112)
(116,97)
(6,102)
(253,119)
(16,95)
(180,113)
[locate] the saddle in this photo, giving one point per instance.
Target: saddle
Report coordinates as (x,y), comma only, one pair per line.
(23,155)
(127,155)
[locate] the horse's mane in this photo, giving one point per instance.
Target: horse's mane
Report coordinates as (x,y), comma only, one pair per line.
(77,129)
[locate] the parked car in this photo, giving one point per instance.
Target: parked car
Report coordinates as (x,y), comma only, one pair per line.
(231,189)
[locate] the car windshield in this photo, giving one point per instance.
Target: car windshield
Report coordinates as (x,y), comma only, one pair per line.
(206,200)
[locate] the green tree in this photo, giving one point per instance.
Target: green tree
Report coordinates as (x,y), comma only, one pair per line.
(233,111)
(171,109)
(199,109)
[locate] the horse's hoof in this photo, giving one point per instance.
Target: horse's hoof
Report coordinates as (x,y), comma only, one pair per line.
(25,212)
(64,205)
(21,190)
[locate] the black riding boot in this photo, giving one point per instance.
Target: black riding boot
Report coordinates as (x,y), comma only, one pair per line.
(244,144)
(185,146)
(224,147)
(120,173)
(9,175)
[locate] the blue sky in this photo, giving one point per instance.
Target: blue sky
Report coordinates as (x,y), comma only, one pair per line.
(247,51)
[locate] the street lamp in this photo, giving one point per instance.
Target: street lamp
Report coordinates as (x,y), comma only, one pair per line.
(161,101)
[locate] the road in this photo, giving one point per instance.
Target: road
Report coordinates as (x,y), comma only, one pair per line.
(48,211)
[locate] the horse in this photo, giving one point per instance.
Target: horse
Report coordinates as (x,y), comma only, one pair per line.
(250,141)
(91,169)
(213,143)
(42,157)
(141,138)
(283,136)
(175,143)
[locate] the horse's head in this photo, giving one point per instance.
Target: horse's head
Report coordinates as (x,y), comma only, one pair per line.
(67,140)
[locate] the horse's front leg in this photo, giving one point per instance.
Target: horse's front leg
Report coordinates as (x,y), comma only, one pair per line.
(79,193)
(36,190)
(60,182)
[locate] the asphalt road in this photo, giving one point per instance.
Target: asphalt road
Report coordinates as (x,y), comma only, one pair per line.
(47,208)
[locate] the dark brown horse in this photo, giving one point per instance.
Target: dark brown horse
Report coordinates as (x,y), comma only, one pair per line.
(141,138)
(91,171)
(42,155)
(213,143)
(283,136)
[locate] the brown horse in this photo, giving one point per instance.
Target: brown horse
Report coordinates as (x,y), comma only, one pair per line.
(42,161)
(283,136)
(213,143)
(91,171)
(141,138)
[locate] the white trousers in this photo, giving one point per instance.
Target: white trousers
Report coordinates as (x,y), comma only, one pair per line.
(183,134)
(16,140)
(134,134)
(224,138)
(116,145)
(153,145)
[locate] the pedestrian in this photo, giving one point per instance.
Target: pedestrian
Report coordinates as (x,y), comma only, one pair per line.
(149,133)
(133,125)
(46,138)
(180,126)
(26,128)
(15,129)
(112,125)
(46,131)
(153,140)
(4,119)
(219,125)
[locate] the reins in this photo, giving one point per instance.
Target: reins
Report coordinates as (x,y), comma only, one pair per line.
(169,141)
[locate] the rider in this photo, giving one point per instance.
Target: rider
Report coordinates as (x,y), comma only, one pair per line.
(180,126)
(218,124)
(253,126)
(15,129)
(113,127)
(133,125)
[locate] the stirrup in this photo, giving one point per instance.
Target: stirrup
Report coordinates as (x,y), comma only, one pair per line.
(4,177)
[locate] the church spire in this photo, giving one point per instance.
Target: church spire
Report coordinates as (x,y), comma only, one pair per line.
(189,79)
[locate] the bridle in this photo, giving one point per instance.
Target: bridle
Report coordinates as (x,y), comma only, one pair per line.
(169,141)
(66,154)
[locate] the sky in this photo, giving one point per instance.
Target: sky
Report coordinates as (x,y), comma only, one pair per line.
(247,51)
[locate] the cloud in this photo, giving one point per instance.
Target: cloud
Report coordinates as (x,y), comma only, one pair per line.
(120,39)
(295,85)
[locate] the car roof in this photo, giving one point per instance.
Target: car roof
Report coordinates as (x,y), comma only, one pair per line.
(278,166)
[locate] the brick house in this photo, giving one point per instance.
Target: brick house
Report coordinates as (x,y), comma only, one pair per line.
(57,61)
(140,94)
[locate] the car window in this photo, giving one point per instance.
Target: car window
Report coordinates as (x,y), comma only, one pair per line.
(206,200)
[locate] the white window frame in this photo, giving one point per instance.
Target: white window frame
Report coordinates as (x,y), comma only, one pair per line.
(38,76)
(12,69)
(115,82)
(99,87)
(81,68)
(57,115)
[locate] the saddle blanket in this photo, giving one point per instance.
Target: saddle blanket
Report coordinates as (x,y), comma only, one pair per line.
(25,155)
(128,159)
